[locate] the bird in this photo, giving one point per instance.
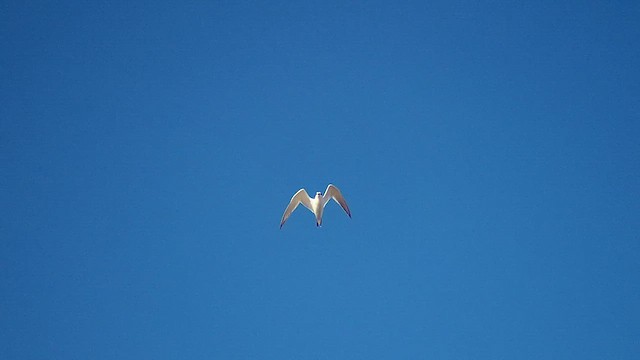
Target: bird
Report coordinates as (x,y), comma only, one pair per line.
(315,205)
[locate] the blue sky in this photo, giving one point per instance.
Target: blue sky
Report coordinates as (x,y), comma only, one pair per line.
(489,153)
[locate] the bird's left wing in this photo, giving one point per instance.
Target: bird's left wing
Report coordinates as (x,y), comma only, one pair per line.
(300,197)
(332,192)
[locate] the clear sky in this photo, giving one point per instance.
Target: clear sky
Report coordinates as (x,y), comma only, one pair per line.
(489,152)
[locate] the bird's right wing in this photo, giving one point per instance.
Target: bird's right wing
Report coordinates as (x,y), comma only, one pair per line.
(300,197)
(334,193)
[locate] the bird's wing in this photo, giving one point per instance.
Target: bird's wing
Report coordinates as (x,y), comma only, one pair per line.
(332,192)
(300,197)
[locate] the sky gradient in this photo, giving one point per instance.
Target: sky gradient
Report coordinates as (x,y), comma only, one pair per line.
(489,154)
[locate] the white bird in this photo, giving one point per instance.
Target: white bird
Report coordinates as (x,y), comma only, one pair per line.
(315,205)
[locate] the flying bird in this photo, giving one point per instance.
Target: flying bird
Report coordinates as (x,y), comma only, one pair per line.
(315,205)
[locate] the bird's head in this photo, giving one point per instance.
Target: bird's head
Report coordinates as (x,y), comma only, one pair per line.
(318,193)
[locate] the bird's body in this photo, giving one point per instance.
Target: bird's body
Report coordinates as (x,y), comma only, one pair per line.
(316,204)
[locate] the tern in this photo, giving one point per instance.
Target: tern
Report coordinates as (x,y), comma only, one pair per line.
(315,205)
